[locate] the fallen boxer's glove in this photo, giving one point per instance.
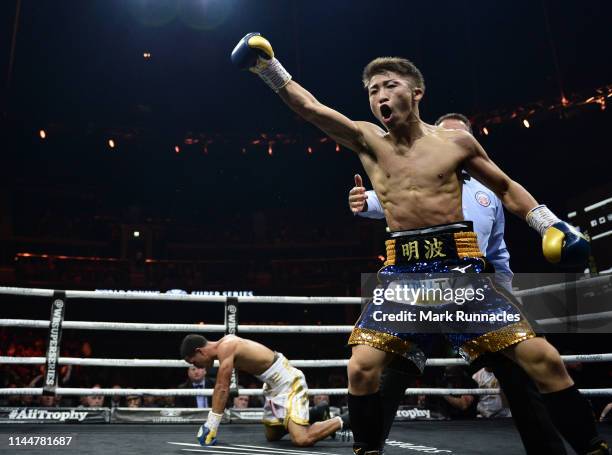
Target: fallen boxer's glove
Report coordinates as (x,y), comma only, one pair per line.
(207,434)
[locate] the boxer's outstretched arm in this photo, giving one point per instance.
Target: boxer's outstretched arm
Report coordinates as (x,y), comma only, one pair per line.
(255,53)
(336,125)
(561,243)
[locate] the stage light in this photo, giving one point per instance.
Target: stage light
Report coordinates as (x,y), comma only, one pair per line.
(136,234)
(111,143)
(485,131)
(177,149)
(526,123)
(42,134)
(602,103)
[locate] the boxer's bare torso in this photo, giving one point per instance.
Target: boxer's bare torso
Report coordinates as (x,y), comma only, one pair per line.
(418,184)
(249,356)
(233,353)
(414,167)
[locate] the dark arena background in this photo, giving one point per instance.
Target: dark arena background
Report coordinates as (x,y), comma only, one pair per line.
(136,157)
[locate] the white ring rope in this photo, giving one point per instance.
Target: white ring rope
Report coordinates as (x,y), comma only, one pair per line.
(132,326)
(144,327)
(172,363)
(144,295)
(219,328)
(588,317)
(126,295)
(164,363)
(120,295)
(253,392)
(591,281)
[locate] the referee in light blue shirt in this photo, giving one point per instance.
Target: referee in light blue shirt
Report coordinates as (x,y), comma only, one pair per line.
(485,210)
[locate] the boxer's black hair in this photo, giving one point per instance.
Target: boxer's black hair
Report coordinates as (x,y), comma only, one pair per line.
(401,66)
(455,116)
(191,343)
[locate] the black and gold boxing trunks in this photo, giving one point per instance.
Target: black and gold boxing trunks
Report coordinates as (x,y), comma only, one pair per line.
(435,283)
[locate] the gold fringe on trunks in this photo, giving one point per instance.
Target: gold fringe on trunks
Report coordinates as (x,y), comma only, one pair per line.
(379,340)
(467,245)
(464,235)
(390,245)
(498,339)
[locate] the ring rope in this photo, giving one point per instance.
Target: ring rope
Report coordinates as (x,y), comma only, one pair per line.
(163,363)
(591,281)
(144,327)
(220,328)
(132,326)
(254,392)
(172,363)
(120,295)
(144,295)
(588,317)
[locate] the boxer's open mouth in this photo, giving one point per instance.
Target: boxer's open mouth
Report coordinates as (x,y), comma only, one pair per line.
(385,111)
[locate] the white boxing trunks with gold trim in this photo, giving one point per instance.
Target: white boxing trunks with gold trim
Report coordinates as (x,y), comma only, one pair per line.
(285,392)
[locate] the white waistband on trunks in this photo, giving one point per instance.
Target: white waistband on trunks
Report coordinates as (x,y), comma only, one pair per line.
(276,367)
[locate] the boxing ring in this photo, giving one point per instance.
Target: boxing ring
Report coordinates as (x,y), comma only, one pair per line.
(446,437)
(237,435)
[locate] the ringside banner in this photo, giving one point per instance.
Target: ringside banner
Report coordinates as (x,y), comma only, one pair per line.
(54,415)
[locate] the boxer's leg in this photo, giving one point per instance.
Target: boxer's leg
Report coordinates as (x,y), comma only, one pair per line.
(365,406)
(569,410)
(306,436)
(318,413)
(392,388)
(542,362)
(529,412)
(274,432)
